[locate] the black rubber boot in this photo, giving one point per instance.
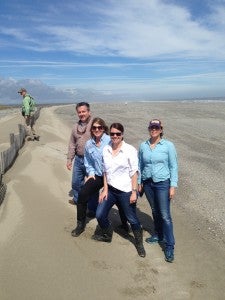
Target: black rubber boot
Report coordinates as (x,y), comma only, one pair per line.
(124,227)
(138,235)
(104,236)
(79,229)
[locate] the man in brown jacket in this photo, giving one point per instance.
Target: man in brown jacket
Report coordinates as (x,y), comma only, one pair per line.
(79,136)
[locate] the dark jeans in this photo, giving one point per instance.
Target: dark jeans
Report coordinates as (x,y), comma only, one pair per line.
(79,173)
(123,200)
(91,187)
(157,194)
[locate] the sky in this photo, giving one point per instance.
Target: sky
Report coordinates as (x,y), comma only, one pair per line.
(102,50)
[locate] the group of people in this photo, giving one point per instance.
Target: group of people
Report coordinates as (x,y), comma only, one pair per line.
(108,171)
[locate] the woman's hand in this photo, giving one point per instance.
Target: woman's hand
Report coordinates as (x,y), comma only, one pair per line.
(140,190)
(103,196)
(133,197)
(172,192)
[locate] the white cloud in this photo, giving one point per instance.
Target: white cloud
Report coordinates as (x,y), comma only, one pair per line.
(139,29)
(115,46)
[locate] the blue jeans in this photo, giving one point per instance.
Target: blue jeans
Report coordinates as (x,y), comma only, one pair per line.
(79,173)
(123,199)
(157,194)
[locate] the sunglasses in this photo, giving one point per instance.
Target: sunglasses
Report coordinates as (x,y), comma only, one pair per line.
(97,127)
(115,133)
(154,127)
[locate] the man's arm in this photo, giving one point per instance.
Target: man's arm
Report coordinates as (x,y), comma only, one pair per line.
(71,150)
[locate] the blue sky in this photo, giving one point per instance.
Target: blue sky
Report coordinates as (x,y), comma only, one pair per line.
(129,49)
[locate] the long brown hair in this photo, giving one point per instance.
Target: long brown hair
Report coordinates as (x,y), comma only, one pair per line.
(102,123)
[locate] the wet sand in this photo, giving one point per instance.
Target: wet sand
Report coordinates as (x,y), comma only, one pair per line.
(40,260)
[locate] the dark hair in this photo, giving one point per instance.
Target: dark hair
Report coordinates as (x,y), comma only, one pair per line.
(83,104)
(100,122)
(117,126)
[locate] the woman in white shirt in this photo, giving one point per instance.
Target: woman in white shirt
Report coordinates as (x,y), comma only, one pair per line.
(94,182)
(120,166)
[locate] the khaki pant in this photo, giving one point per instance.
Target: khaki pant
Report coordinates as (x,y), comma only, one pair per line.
(29,125)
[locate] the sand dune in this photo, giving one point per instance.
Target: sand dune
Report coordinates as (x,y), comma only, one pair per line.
(40,260)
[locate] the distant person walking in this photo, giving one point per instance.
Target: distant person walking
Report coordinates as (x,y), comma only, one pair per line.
(159,177)
(120,165)
(80,134)
(28,109)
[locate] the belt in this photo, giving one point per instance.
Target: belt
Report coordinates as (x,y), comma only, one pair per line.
(148,180)
(114,189)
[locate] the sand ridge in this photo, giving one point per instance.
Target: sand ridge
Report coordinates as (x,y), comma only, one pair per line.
(43,261)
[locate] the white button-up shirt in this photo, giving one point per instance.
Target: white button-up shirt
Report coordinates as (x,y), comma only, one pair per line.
(120,168)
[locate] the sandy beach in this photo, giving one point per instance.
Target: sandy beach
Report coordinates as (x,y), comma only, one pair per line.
(40,260)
